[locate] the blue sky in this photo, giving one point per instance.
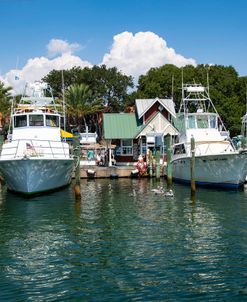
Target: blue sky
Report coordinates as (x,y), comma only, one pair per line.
(212,31)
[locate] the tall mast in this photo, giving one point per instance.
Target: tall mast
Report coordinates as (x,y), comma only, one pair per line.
(64,116)
(182,103)
(246,96)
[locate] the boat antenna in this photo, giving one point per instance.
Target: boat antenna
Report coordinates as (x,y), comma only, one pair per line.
(13,100)
(208,78)
(64,117)
(182,102)
(246,95)
(182,77)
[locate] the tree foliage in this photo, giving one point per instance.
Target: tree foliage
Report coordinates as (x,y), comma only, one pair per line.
(80,103)
(227,90)
(107,84)
(5,99)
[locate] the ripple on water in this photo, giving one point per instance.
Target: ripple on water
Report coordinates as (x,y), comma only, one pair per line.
(121,242)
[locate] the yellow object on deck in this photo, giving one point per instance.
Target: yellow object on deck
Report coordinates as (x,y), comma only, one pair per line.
(66,134)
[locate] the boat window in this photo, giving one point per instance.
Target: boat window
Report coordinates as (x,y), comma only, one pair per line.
(36,120)
(62,122)
(191,122)
(212,121)
(20,121)
(202,121)
(52,120)
(179,149)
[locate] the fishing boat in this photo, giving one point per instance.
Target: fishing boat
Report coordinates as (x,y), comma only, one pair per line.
(217,162)
(35,158)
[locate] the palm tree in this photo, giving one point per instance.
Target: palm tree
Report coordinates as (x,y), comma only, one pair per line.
(5,104)
(81,103)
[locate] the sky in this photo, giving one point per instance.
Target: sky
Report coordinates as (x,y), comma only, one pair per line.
(38,36)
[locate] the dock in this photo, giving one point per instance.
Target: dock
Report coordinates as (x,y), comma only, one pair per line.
(94,171)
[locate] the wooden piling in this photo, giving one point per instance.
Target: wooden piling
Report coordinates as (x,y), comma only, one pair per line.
(192,166)
(168,158)
(150,163)
(243,142)
(157,172)
(77,155)
(1,141)
(1,146)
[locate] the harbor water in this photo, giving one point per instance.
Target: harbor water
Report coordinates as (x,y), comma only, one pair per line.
(121,242)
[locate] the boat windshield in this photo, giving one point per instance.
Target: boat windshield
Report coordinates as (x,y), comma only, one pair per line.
(36,120)
(52,120)
(202,121)
(191,122)
(20,121)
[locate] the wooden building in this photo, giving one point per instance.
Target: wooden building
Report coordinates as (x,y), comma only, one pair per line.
(134,133)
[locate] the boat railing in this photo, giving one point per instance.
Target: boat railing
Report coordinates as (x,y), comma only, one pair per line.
(35,148)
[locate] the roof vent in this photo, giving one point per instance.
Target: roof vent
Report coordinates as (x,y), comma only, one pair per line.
(160,107)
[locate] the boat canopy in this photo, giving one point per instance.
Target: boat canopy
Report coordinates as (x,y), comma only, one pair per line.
(38,101)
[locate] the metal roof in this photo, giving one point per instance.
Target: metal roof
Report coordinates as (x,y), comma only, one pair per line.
(142,105)
(120,125)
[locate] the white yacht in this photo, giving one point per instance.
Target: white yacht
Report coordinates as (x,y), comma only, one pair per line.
(35,158)
(217,162)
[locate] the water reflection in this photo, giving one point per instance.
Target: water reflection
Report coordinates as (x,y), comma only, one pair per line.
(120,241)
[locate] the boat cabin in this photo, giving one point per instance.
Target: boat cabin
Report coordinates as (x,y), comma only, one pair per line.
(36,125)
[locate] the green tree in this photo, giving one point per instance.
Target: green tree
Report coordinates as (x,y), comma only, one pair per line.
(80,104)
(5,105)
(107,84)
(56,78)
(110,85)
(227,90)
(5,98)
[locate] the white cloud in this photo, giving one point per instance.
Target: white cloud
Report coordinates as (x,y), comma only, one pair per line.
(59,47)
(132,54)
(136,54)
(36,68)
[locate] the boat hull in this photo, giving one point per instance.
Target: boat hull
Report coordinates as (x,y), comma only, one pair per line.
(223,170)
(32,176)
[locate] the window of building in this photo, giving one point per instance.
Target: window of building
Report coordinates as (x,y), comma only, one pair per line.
(127,147)
(143,145)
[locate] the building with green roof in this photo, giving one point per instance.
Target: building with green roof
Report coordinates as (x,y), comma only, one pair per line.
(134,133)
